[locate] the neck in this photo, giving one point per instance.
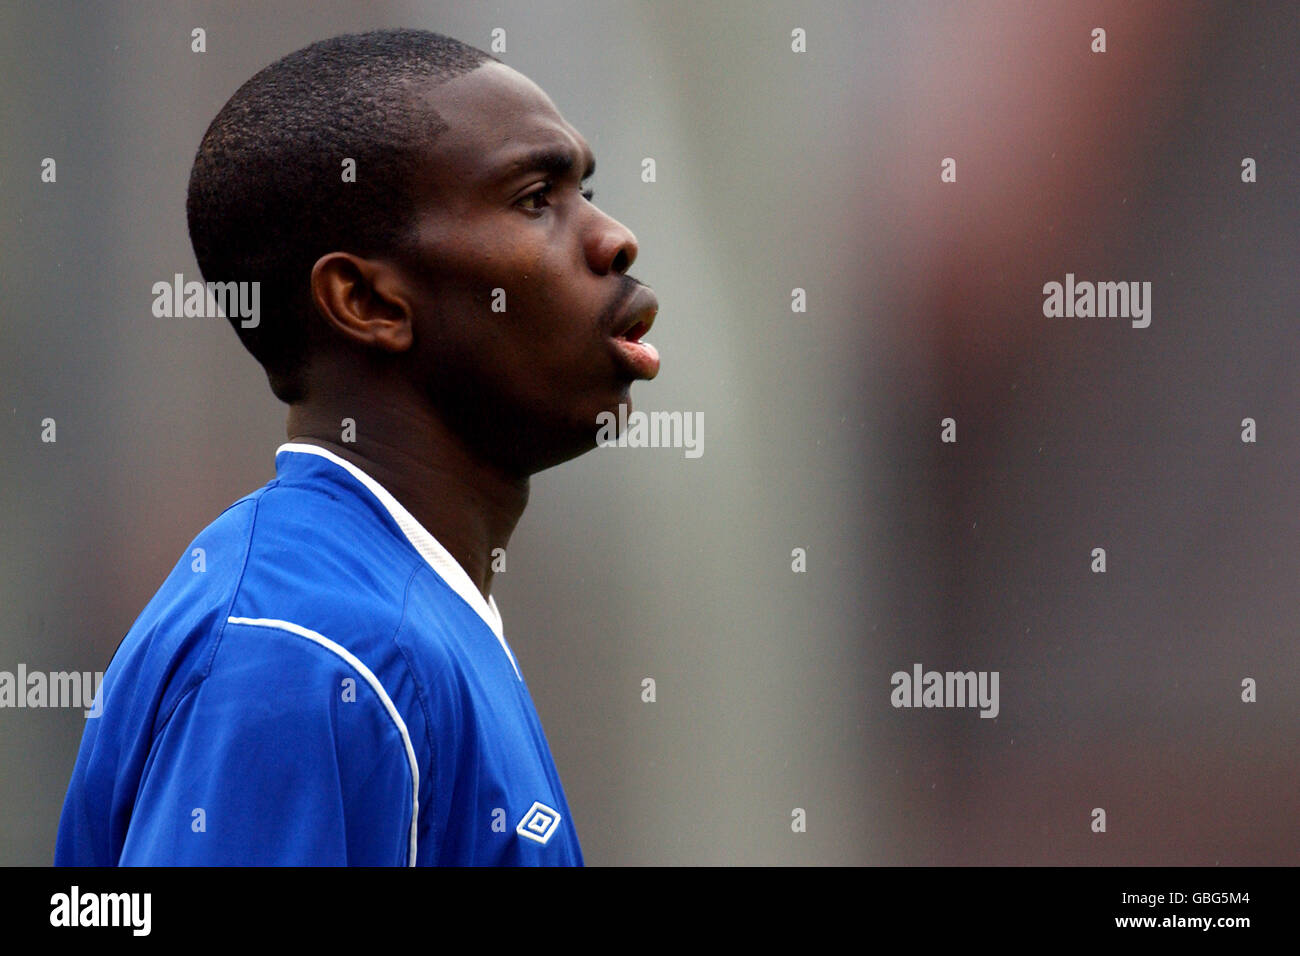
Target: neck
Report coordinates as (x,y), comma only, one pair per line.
(469,505)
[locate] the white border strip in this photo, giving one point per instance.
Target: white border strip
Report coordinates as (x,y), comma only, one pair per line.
(438,557)
(377,687)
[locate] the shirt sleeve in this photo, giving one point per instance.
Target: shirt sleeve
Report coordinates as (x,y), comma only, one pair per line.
(287,753)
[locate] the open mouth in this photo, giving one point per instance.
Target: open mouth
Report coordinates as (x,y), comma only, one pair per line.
(639,359)
(634,334)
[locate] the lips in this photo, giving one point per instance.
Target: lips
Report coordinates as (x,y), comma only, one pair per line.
(640,359)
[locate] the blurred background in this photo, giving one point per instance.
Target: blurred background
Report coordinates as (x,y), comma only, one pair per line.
(776,170)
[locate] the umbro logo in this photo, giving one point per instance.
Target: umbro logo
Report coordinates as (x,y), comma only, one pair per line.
(539,823)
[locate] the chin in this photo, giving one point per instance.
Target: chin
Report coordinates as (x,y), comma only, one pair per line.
(547,442)
(559,453)
(554,443)
(623,398)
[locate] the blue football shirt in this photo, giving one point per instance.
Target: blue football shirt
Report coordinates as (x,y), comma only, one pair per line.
(317,682)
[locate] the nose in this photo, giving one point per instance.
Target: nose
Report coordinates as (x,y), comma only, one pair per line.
(611,247)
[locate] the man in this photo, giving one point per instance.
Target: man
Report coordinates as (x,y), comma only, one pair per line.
(324,678)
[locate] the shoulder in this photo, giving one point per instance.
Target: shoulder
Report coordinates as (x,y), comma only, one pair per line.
(286,561)
(289,751)
(277,687)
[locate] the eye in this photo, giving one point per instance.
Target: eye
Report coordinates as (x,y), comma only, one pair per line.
(536,200)
(540,198)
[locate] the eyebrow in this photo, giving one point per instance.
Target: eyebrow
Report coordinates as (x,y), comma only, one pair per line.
(548,159)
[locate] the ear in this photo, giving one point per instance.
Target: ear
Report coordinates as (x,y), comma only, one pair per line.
(364,300)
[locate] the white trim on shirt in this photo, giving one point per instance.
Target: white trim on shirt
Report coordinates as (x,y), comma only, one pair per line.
(438,557)
(368,675)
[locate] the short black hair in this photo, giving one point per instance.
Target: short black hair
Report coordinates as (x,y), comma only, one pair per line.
(266,195)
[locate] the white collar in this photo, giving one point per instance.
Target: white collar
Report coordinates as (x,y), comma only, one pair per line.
(438,557)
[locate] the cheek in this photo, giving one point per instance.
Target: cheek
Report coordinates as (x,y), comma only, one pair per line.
(548,320)
(538,293)
(528,321)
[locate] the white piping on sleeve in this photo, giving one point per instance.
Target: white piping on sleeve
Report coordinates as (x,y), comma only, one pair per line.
(377,687)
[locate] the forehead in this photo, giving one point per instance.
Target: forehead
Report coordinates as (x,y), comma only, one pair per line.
(494,116)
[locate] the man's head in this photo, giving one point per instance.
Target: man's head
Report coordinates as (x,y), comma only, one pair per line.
(464,269)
